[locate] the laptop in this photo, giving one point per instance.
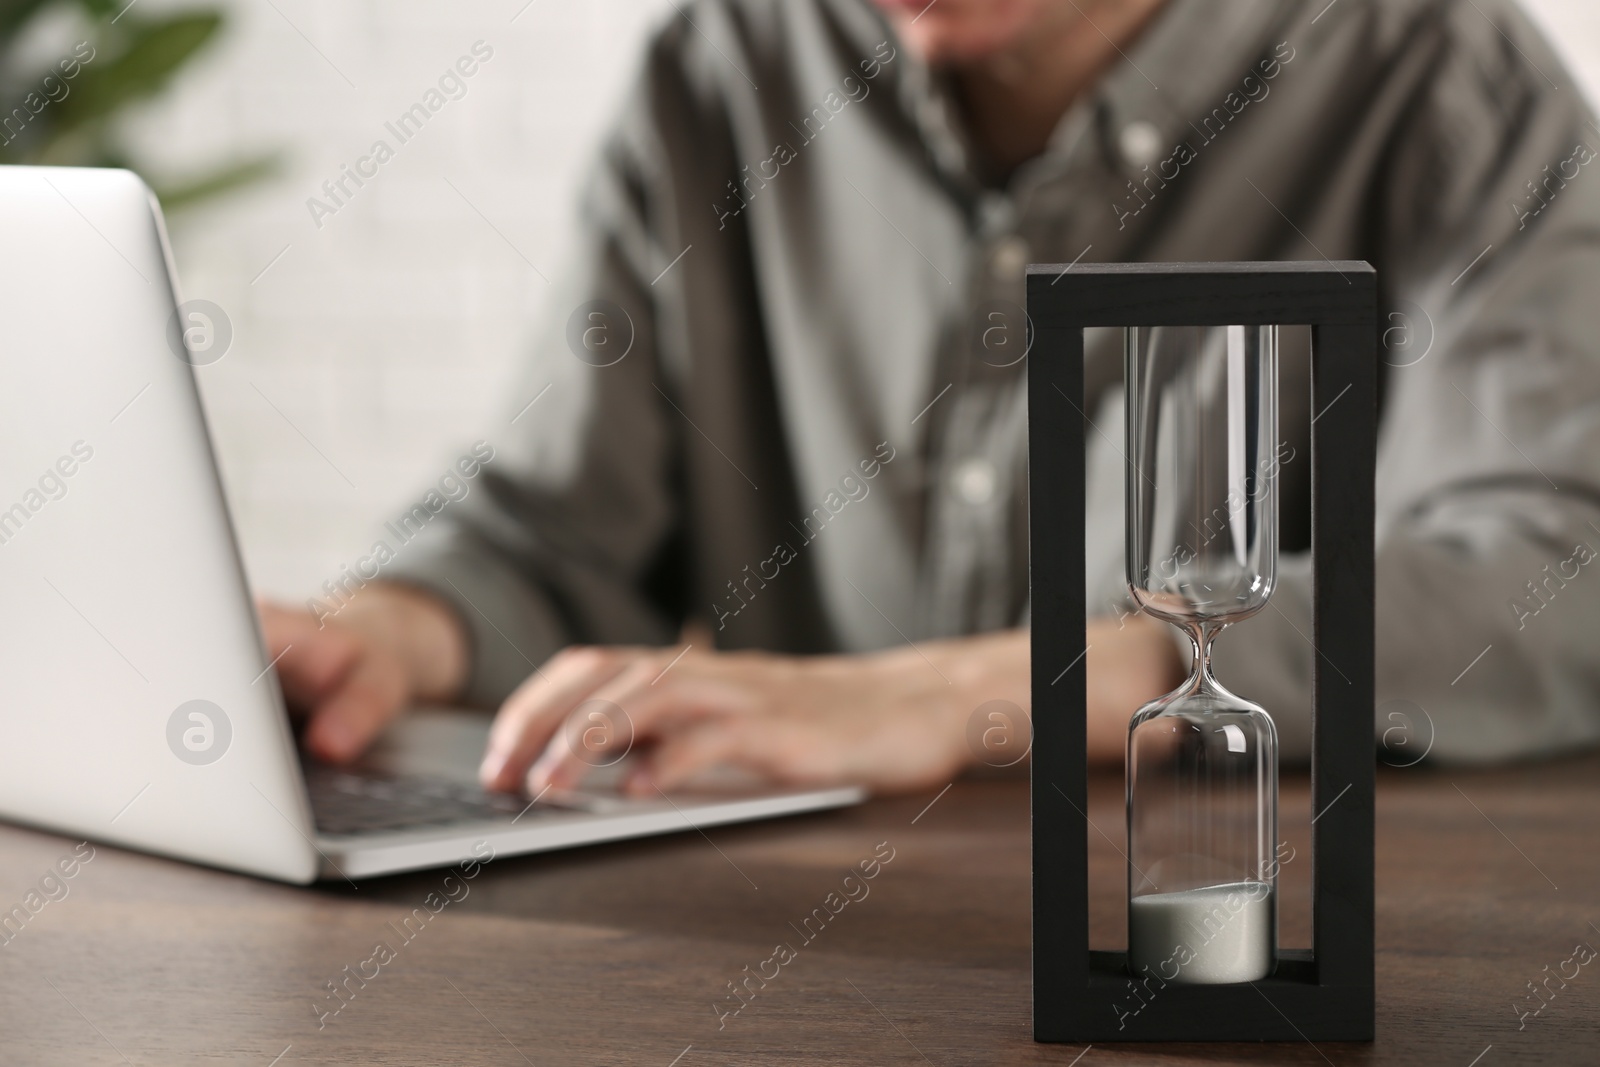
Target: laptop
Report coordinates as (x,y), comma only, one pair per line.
(137,702)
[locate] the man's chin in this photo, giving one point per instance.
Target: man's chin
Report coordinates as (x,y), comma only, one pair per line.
(947,33)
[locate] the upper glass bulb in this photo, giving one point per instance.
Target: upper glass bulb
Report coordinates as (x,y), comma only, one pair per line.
(1202,515)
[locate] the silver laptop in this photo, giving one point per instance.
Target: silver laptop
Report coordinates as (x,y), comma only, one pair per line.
(137,704)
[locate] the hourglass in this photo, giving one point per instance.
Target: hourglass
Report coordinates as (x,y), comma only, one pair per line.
(1202,763)
(1202,961)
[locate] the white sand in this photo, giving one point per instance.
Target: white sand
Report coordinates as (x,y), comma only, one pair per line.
(1227,933)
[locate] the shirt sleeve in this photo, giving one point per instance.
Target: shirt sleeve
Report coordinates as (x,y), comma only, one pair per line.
(1487,218)
(568,530)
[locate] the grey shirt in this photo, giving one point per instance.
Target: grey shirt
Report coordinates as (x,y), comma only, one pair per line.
(780,386)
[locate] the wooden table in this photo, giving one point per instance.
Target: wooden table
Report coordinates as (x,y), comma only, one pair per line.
(624,954)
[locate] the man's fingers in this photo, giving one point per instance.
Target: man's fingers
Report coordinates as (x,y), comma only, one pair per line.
(524,725)
(346,722)
(595,731)
(689,751)
(639,704)
(311,661)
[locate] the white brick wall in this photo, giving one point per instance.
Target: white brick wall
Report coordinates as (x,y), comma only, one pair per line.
(388,336)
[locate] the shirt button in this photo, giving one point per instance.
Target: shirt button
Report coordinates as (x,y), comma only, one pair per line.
(1008,260)
(1140,143)
(973,481)
(996,214)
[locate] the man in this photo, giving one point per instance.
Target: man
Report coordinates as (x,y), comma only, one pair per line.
(785,381)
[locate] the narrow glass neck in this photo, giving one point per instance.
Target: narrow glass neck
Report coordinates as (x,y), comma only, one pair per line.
(1201,681)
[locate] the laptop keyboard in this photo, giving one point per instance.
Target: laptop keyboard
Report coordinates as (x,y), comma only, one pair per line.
(353,801)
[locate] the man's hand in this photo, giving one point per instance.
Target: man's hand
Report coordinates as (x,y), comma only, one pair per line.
(351,674)
(893,720)
(1131,661)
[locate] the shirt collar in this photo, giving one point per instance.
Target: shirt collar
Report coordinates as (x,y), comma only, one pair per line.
(1184,64)
(1187,61)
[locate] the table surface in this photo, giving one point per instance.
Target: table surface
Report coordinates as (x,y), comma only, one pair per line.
(624,954)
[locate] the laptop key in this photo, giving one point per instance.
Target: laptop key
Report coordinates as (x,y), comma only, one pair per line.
(353,801)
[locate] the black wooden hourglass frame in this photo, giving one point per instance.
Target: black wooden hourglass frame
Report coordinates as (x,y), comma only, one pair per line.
(1325,994)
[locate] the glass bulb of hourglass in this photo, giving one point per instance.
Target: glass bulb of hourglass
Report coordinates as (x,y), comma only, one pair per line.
(1201,554)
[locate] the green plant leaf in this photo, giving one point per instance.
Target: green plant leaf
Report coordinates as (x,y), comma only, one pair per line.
(152,54)
(134,58)
(15,13)
(175,196)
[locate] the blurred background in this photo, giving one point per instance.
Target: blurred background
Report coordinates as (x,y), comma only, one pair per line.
(369,351)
